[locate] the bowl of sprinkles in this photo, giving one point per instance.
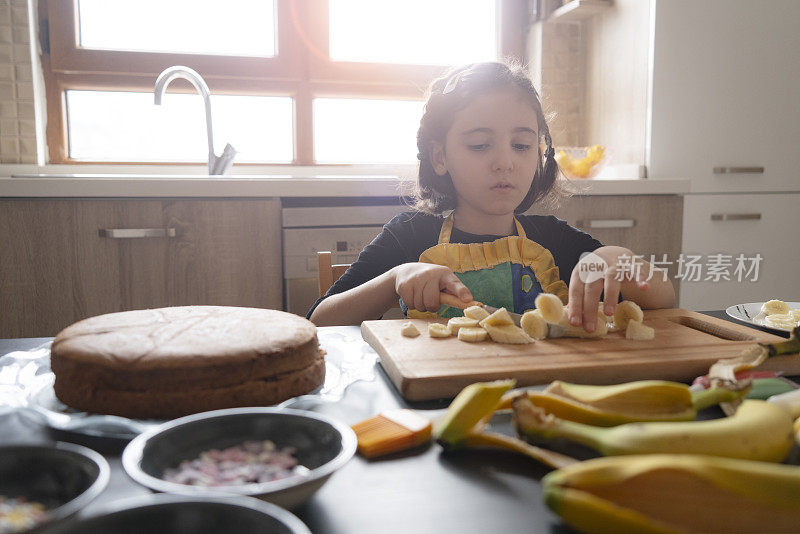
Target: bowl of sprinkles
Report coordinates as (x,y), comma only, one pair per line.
(43,483)
(278,455)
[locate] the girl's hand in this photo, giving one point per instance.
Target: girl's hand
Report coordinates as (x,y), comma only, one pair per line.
(602,272)
(419,284)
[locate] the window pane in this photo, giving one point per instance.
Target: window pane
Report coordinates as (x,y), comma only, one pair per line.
(366,131)
(127,126)
(233,27)
(422,32)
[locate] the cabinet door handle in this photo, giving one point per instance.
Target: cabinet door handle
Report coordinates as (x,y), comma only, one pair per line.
(129,233)
(735,216)
(607,223)
(738,170)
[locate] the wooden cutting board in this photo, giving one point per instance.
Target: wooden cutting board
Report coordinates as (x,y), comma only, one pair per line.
(685,346)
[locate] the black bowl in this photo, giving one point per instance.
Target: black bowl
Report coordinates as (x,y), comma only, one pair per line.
(175,514)
(323,446)
(63,477)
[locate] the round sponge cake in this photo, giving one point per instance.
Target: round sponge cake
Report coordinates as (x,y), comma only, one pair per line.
(169,362)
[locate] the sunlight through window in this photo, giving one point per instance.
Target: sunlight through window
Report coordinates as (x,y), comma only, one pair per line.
(424,32)
(233,27)
(127,126)
(366,131)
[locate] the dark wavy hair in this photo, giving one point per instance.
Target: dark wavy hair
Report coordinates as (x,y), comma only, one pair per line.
(454,91)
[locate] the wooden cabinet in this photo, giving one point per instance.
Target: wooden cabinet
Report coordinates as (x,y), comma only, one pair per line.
(725,81)
(646,224)
(720,228)
(56,268)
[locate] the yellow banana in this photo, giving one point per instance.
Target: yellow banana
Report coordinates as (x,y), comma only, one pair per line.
(474,403)
(758,431)
(644,400)
(671,493)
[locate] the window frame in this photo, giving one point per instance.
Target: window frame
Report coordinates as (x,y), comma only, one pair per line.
(301,69)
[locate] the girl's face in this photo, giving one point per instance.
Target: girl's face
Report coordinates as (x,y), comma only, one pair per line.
(491,152)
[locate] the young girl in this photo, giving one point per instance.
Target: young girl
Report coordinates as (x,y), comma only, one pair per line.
(482,159)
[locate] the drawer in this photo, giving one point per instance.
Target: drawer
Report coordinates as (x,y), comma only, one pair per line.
(746,225)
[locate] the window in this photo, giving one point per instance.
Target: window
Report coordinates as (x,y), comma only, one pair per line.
(292,81)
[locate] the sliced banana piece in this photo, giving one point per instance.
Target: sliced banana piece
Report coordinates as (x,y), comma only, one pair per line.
(774,306)
(600,329)
(476,312)
(551,307)
(439,330)
(780,320)
(796,315)
(409,330)
(627,311)
(456,323)
(472,334)
(533,324)
(507,333)
(498,318)
(639,332)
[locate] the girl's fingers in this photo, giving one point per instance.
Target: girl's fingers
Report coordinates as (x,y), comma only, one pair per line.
(610,294)
(591,299)
(575,307)
(419,298)
(454,286)
(430,296)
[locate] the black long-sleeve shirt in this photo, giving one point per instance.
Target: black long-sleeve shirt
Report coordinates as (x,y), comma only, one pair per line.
(409,234)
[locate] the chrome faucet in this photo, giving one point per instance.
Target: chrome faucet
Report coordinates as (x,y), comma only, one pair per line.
(216,164)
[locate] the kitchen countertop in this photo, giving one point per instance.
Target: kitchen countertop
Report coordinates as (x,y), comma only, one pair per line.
(277,185)
(420,491)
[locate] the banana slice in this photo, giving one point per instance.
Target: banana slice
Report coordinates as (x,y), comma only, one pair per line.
(627,311)
(600,313)
(472,334)
(439,330)
(780,320)
(774,306)
(601,329)
(507,333)
(550,306)
(796,315)
(456,323)
(476,312)
(639,332)
(533,324)
(409,330)
(498,318)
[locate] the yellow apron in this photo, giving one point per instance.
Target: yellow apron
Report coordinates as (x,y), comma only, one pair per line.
(505,273)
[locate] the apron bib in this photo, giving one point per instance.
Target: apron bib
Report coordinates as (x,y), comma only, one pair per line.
(505,273)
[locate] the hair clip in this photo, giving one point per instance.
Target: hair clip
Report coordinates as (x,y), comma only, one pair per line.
(451,84)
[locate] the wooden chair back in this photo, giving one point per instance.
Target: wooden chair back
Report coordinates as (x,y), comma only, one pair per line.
(328,273)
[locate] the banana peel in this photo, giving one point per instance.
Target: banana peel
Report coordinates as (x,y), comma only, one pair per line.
(463,424)
(723,372)
(644,400)
(758,431)
(470,411)
(495,440)
(669,493)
